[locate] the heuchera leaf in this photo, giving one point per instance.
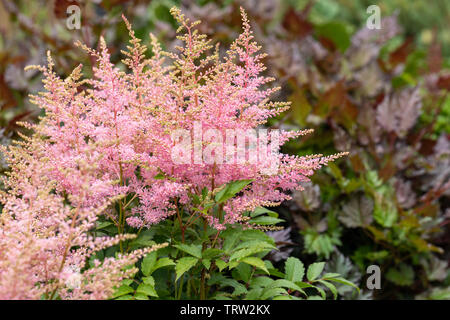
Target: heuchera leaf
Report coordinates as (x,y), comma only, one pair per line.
(357,213)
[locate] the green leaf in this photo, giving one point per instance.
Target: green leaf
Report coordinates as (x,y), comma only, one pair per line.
(221,264)
(272,292)
(265,220)
(242,253)
(149,280)
(206,263)
(261,210)
(331,275)
(286,284)
(304,285)
(163,262)
(148,263)
(256,262)
(314,270)
(184,264)
(145,239)
(403,275)
(147,289)
(125,297)
(244,272)
(193,250)
(261,282)
(331,287)
(222,281)
(344,281)
(276,272)
(294,269)
(336,32)
(231,189)
(212,253)
(322,293)
(122,290)
(255,244)
(231,238)
(233,264)
(315,297)
(204,193)
(104,224)
(254,294)
(159,176)
(385,212)
(127,282)
(140,296)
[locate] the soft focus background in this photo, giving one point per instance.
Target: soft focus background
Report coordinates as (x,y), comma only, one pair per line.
(380,94)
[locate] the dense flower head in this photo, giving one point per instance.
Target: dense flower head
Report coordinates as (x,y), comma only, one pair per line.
(46,239)
(121,125)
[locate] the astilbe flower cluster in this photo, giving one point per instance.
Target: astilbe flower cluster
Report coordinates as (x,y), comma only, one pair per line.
(46,239)
(111,136)
(121,124)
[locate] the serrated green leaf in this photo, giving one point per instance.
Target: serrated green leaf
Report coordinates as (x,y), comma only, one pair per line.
(331,287)
(243,253)
(286,284)
(261,282)
(147,289)
(230,240)
(148,263)
(244,272)
(231,189)
(256,262)
(141,296)
(344,281)
(127,282)
(222,281)
(221,264)
(161,263)
(255,244)
(212,253)
(314,270)
(122,290)
(321,291)
(294,269)
(271,292)
(254,294)
(193,250)
(149,280)
(183,265)
(206,263)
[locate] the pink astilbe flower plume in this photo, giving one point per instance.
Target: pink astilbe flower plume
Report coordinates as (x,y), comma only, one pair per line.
(112,136)
(46,238)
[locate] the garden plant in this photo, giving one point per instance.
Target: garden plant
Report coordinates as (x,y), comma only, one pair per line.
(167,165)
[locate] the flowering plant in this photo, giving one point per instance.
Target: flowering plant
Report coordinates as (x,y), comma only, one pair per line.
(104,163)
